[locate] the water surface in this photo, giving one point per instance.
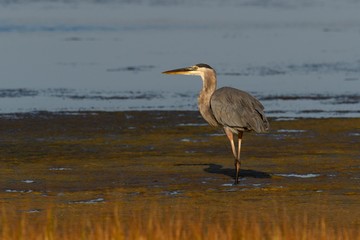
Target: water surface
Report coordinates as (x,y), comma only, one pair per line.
(301,59)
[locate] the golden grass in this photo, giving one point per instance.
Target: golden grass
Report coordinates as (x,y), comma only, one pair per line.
(173,223)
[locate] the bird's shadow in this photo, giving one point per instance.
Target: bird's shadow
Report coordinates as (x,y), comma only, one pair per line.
(230,172)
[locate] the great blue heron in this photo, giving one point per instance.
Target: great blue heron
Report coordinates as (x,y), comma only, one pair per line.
(234,110)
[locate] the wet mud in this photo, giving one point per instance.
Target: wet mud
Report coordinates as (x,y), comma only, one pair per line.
(88,162)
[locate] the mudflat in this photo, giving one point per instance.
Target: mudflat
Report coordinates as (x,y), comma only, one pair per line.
(85,163)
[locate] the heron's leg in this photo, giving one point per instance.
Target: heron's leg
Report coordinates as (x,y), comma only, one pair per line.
(240,134)
(230,135)
(237,159)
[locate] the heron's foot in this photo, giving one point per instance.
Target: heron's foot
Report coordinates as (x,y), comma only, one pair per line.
(237,171)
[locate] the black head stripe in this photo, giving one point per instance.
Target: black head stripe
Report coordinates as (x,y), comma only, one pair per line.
(203,65)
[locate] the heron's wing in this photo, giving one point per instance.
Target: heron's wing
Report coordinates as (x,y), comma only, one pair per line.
(238,110)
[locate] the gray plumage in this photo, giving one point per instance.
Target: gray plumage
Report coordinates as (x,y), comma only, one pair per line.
(238,110)
(232,109)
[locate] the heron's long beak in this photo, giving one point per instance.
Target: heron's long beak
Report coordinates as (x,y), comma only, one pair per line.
(183,71)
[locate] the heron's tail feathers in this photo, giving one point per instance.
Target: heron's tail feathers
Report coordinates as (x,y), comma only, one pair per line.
(260,123)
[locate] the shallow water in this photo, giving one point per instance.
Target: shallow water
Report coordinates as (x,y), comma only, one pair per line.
(301,59)
(88,162)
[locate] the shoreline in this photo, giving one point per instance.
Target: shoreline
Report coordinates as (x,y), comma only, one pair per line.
(92,112)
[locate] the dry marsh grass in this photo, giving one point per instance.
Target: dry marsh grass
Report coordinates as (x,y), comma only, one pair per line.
(157,223)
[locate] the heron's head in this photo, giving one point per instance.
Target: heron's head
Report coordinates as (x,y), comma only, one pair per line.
(199,70)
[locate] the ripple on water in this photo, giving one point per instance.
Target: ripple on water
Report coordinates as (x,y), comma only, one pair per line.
(294,175)
(60,169)
(18,191)
(172,193)
(28,181)
(290,131)
(89,201)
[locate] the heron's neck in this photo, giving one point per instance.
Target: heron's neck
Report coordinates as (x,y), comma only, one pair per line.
(209,83)
(209,87)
